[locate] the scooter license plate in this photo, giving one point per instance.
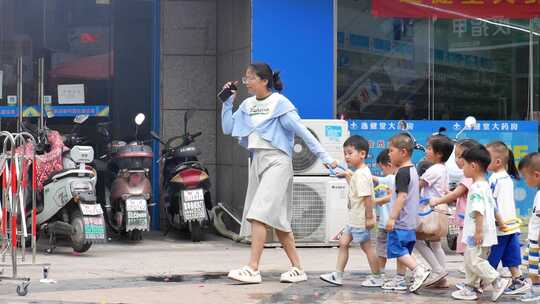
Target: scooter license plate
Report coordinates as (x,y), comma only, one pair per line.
(193,195)
(136,204)
(193,204)
(91,209)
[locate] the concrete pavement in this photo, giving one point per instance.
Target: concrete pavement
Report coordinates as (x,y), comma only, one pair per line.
(173,270)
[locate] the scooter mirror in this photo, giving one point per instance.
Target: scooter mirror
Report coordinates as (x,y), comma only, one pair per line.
(470,122)
(156,137)
(139,119)
(189,114)
(80,119)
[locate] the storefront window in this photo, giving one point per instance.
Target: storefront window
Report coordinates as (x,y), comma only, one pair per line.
(482,69)
(422,68)
(381,64)
(104,46)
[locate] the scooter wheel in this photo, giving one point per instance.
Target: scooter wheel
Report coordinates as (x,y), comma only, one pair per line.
(79,244)
(195,231)
(135,235)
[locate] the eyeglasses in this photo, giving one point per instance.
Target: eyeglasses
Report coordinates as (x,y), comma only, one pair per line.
(246,80)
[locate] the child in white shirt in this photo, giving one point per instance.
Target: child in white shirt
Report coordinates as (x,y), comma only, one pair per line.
(479,230)
(508,248)
(361,213)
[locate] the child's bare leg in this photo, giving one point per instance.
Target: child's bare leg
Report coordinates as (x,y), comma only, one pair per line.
(382,263)
(401,268)
(372,257)
(515,271)
(343,255)
(408,261)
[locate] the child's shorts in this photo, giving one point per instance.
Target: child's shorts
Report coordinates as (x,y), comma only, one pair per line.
(400,243)
(531,257)
(507,250)
(359,235)
(382,241)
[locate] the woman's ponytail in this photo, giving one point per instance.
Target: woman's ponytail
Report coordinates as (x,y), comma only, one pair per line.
(276,81)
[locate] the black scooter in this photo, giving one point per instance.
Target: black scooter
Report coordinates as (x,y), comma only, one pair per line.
(186,183)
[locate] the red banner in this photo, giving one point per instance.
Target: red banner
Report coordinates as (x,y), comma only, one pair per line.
(456,9)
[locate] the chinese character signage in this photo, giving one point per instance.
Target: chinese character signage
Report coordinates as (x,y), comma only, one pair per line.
(56,111)
(456,8)
(521,136)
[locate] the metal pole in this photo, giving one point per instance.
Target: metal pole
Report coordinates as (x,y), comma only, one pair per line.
(34,209)
(433,69)
(12,205)
(429,67)
(20,93)
(19,165)
(5,219)
(531,72)
(41,90)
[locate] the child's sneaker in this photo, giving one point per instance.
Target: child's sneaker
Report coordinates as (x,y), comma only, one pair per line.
(421,273)
(460,286)
(467,293)
(373,281)
(333,278)
(530,297)
(397,284)
(499,286)
(519,285)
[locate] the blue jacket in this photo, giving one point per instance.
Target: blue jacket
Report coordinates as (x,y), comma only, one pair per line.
(279,129)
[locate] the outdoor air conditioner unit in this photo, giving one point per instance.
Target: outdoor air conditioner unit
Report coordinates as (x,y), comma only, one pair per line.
(331,134)
(318,210)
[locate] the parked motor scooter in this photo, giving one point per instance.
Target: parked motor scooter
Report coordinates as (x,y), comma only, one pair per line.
(128,195)
(186,183)
(66,202)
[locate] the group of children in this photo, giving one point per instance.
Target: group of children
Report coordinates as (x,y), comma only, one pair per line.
(485,212)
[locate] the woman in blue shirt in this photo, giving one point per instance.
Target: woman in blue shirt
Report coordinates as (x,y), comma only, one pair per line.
(266,124)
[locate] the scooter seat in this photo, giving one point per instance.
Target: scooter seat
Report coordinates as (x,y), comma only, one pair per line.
(193,164)
(51,178)
(58,174)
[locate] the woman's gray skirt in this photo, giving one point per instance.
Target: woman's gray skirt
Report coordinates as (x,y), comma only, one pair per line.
(269,191)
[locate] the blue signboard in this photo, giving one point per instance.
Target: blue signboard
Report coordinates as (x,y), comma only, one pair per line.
(521,136)
(56,111)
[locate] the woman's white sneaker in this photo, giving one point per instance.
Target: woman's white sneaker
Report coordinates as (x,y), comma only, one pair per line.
(246,275)
(294,275)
